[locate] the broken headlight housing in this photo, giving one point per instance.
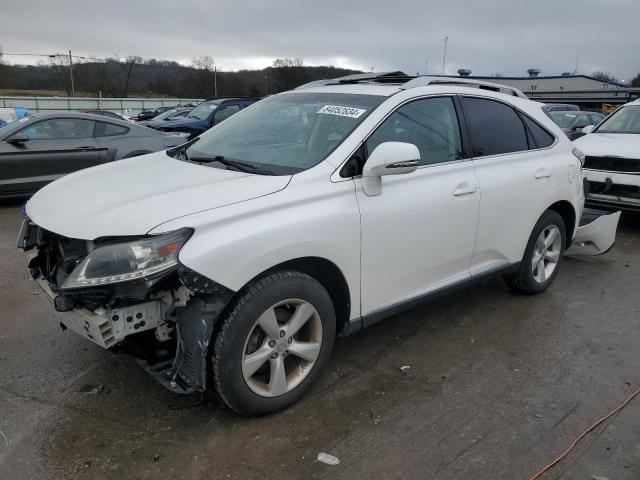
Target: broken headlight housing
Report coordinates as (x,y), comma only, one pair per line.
(122,262)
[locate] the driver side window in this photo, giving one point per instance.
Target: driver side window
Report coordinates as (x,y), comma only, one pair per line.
(59,129)
(431,124)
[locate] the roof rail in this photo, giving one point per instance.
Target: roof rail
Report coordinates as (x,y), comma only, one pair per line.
(424,80)
(377,77)
(407,81)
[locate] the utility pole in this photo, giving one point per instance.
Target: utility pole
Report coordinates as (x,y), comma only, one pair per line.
(215,81)
(577,60)
(266,86)
(426,67)
(444,55)
(73,92)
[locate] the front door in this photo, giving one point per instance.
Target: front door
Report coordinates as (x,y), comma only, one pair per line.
(54,148)
(419,234)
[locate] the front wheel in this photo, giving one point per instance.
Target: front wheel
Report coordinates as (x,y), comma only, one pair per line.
(542,256)
(273,343)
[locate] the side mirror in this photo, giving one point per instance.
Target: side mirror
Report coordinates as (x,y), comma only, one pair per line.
(588,129)
(388,158)
(18,139)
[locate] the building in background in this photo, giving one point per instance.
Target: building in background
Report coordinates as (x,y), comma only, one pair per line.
(588,92)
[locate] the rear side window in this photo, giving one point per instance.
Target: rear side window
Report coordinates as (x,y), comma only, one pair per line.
(494,128)
(104,129)
(541,138)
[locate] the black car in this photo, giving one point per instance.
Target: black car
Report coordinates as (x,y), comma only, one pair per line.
(149,114)
(572,122)
(106,113)
(43,147)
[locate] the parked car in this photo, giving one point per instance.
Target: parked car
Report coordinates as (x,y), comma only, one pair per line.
(572,122)
(11,114)
(314,212)
(612,164)
(43,147)
(206,115)
(149,114)
(108,113)
(173,114)
(561,107)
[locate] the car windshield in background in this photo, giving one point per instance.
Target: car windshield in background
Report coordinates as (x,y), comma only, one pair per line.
(562,119)
(625,120)
(286,133)
(166,114)
(202,111)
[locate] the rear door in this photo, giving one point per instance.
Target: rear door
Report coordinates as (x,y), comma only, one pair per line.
(54,148)
(515,175)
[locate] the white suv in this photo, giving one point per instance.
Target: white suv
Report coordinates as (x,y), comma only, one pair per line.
(311,213)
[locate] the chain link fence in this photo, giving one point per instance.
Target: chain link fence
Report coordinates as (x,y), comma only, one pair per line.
(126,106)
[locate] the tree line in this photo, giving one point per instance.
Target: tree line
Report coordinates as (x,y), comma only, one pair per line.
(133,76)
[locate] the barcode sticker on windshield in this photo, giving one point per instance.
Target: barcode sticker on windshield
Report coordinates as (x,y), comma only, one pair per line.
(341,111)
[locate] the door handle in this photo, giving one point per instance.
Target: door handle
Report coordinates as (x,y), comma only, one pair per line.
(85,148)
(464,189)
(542,173)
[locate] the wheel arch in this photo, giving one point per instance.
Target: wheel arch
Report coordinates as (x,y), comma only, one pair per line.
(568,214)
(330,277)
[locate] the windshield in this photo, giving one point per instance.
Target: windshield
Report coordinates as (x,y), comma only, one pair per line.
(562,119)
(625,120)
(286,133)
(202,111)
(166,114)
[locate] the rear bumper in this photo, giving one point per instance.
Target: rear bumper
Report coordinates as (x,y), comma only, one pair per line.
(596,233)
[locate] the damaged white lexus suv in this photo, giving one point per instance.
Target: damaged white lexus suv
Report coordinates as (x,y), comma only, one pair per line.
(236,259)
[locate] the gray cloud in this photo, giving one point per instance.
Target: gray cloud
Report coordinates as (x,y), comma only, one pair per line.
(501,36)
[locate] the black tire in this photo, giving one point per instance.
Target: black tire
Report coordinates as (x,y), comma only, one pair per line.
(523,280)
(237,324)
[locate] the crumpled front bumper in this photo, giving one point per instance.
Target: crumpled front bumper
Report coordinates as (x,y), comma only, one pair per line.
(596,233)
(107,328)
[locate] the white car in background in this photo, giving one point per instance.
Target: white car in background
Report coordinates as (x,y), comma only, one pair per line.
(612,163)
(311,213)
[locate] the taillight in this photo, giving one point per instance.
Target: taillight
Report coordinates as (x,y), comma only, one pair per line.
(579,154)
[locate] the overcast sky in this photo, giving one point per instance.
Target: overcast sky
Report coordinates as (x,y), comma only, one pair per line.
(497,36)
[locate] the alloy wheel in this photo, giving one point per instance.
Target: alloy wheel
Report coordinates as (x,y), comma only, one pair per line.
(281,348)
(546,253)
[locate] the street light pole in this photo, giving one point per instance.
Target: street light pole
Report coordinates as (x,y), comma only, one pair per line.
(444,55)
(73,92)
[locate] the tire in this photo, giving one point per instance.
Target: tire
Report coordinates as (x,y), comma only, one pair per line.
(529,279)
(249,339)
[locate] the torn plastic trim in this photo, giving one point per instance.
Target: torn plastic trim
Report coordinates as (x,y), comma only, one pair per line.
(194,326)
(596,233)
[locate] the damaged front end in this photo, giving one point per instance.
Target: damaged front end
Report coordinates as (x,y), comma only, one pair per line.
(131,295)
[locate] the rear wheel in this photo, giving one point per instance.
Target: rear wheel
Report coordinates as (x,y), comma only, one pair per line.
(542,257)
(273,343)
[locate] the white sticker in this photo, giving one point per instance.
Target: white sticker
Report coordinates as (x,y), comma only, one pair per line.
(341,111)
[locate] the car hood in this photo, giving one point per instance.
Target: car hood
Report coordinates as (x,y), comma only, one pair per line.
(610,144)
(132,196)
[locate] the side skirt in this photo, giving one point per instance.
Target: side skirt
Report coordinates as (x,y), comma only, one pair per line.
(372,318)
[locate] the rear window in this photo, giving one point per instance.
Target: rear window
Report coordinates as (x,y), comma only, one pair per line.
(104,129)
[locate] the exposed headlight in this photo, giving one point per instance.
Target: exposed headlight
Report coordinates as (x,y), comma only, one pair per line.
(121,262)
